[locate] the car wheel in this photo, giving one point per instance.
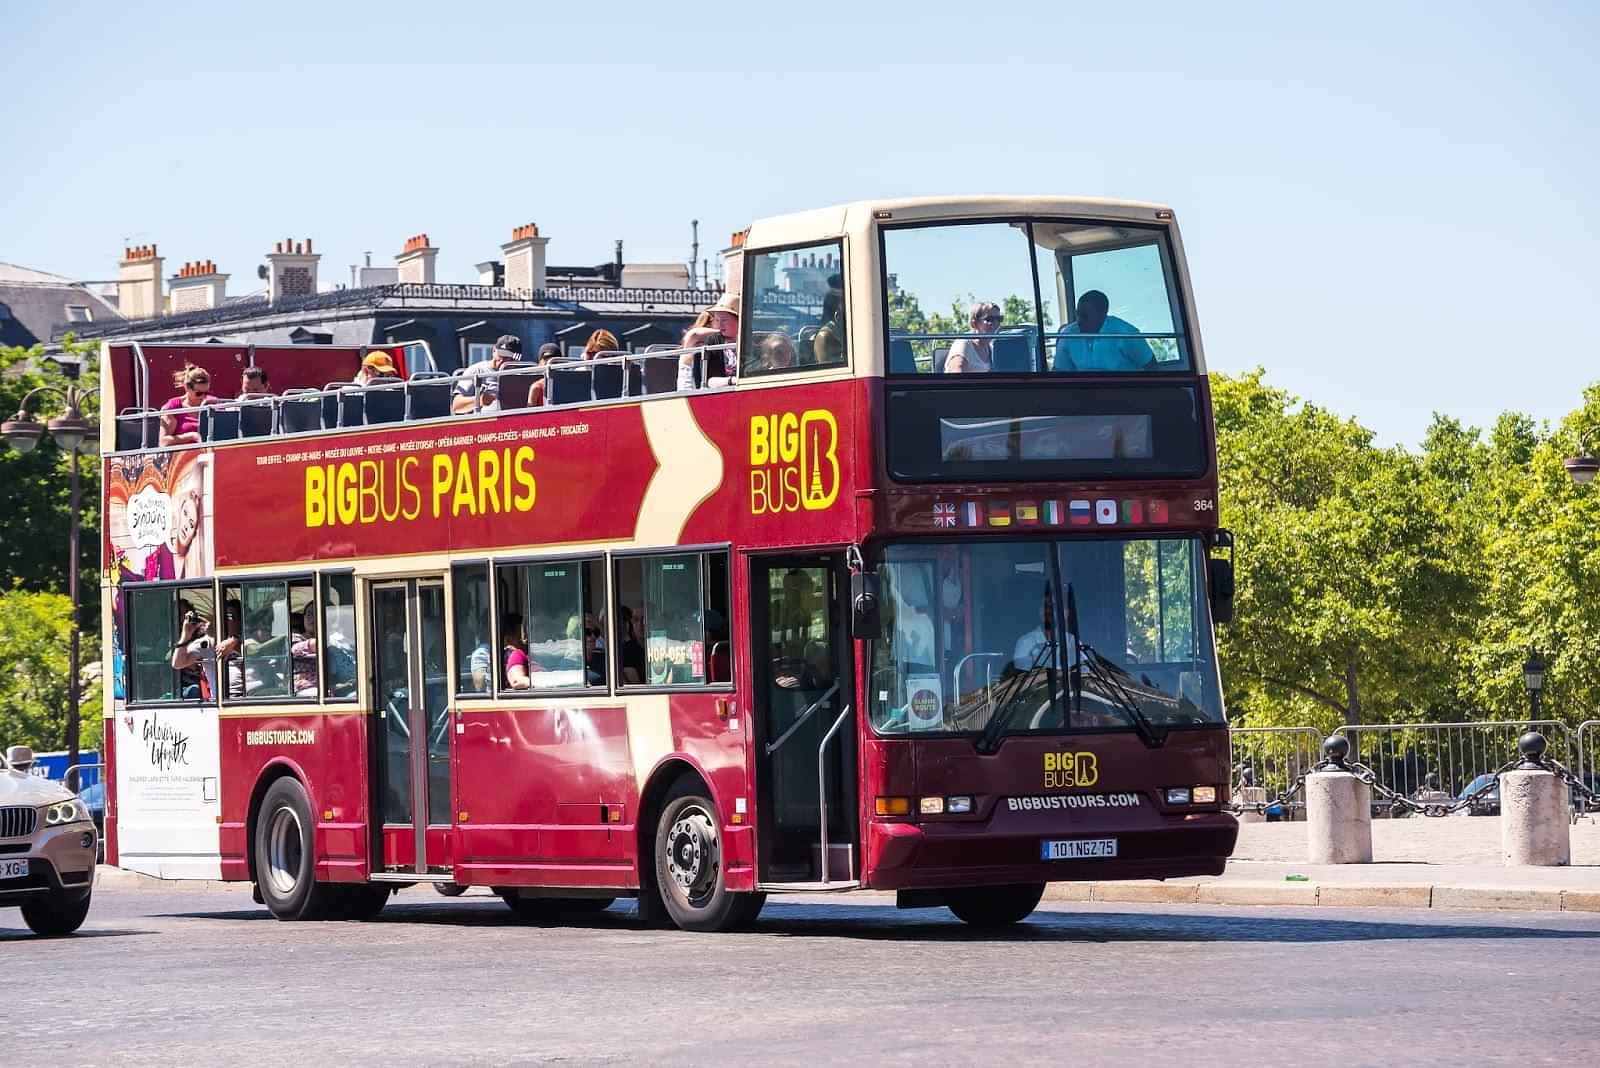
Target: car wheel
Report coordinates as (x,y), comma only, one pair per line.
(995,906)
(285,857)
(359,901)
(59,914)
(689,869)
(449,889)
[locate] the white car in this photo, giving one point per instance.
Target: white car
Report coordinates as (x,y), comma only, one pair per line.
(48,846)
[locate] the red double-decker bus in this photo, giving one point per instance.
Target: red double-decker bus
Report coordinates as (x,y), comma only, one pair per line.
(914,590)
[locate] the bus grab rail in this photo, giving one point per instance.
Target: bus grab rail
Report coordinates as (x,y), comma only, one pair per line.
(955,674)
(822,784)
(773,747)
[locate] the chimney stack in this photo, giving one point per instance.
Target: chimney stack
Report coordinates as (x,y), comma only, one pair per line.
(416,260)
(291,270)
(524,258)
(733,263)
(197,286)
(139,283)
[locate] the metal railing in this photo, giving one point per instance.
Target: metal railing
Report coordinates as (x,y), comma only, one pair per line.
(638,375)
(1274,758)
(1587,743)
(1447,757)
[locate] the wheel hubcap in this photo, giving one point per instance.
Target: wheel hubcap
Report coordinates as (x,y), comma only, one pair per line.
(692,856)
(284,854)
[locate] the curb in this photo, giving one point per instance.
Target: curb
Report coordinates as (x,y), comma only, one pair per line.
(107,877)
(1332,895)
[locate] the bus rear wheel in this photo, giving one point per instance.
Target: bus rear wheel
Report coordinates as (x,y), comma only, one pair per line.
(689,869)
(995,906)
(285,856)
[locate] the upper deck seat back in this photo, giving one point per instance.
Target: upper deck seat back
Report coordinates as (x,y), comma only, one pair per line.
(902,357)
(300,410)
(1013,353)
(255,417)
(137,428)
(385,400)
(660,373)
(608,378)
(350,405)
(571,382)
(427,395)
(219,422)
(512,383)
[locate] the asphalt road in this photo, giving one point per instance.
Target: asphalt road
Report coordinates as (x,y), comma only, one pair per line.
(206,977)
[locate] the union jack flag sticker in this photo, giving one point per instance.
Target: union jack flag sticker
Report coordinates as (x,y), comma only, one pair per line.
(944,514)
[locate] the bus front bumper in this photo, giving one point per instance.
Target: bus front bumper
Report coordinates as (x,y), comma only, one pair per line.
(930,856)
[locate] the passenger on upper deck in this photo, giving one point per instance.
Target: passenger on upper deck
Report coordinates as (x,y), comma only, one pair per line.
(376,365)
(828,346)
(717,325)
(1091,344)
(547,352)
(600,343)
(975,354)
(478,387)
(183,427)
(253,383)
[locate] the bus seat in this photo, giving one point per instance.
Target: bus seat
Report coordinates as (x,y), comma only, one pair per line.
(219,422)
(385,400)
(255,418)
(902,357)
(134,429)
(940,355)
(569,384)
(300,410)
(660,372)
(352,406)
(1012,352)
(330,404)
(608,380)
(512,384)
(428,395)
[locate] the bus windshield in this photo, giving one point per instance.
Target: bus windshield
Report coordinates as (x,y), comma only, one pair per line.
(1059,635)
(1021,296)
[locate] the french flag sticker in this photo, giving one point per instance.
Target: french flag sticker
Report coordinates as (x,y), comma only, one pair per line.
(1105,512)
(1080,513)
(969,514)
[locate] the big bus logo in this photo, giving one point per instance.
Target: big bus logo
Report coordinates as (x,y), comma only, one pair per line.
(1064,770)
(794,461)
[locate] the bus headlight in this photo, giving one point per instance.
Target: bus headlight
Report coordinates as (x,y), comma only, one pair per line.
(1205,795)
(931,806)
(958,806)
(1177,795)
(73,811)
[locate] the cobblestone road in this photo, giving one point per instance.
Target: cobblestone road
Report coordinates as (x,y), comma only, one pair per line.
(205,977)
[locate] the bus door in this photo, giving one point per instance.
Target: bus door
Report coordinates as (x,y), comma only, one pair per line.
(410,739)
(802,714)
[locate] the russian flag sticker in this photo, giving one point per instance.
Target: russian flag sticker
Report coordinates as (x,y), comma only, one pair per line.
(1105,512)
(1081,513)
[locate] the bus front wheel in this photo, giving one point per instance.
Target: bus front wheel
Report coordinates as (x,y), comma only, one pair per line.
(689,869)
(995,906)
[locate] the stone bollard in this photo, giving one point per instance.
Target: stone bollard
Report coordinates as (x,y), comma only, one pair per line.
(1250,796)
(1533,811)
(1338,811)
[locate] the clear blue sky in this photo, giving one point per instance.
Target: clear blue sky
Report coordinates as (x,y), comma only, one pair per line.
(1390,206)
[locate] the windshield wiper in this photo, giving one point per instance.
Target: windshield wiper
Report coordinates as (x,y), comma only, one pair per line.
(989,740)
(1152,736)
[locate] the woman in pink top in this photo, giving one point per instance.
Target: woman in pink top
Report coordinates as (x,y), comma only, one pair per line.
(515,650)
(183,427)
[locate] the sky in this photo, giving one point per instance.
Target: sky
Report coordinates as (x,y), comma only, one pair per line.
(1387,206)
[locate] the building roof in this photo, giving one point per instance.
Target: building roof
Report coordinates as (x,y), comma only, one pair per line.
(34,306)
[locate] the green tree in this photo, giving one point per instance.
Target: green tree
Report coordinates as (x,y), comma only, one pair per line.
(34,632)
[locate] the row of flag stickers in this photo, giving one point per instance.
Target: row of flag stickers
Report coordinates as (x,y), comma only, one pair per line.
(1079,513)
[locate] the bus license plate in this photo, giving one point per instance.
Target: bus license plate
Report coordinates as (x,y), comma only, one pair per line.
(13,869)
(1078,848)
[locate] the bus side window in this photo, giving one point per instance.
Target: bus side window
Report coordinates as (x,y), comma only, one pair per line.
(475,657)
(339,637)
(672,620)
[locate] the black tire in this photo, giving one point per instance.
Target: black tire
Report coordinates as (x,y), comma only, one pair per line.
(995,906)
(359,901)
(285,857)
(59,914)
(688,865)
(449,889)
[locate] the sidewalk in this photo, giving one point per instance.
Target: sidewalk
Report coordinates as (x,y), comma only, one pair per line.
(1449,863)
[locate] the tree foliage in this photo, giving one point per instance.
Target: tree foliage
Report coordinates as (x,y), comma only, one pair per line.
(35,629)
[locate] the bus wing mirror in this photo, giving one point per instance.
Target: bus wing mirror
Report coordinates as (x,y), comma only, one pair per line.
(865,617)
(1221,589)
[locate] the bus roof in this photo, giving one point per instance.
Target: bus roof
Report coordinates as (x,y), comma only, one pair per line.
(858,216)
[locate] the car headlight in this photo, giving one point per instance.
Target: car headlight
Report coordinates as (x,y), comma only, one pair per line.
(73,811)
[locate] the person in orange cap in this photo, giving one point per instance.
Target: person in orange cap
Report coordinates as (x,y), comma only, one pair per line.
(376,365)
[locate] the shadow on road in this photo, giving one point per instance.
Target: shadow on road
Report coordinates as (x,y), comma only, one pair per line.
(885,923)
(22,934)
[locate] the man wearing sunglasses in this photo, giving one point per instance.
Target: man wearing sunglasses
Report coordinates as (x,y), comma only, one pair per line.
(975,354)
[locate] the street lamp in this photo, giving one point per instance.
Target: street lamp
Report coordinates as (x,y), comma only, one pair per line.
(1533,678)
(75,434)
(1582,467)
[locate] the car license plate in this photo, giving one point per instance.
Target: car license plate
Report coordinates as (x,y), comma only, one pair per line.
(1078,848)
(13,869)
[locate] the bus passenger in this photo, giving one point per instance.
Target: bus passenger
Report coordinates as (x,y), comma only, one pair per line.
(514,651)
(630,651)
(828,346)
(594,657)
(376,365)
(253,382)
(183,427)
(717,325)
(601,343)
(547,352)
(775,353)
(1090,344)
(196,653)
(975,354)
(477,388)
(303,652)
